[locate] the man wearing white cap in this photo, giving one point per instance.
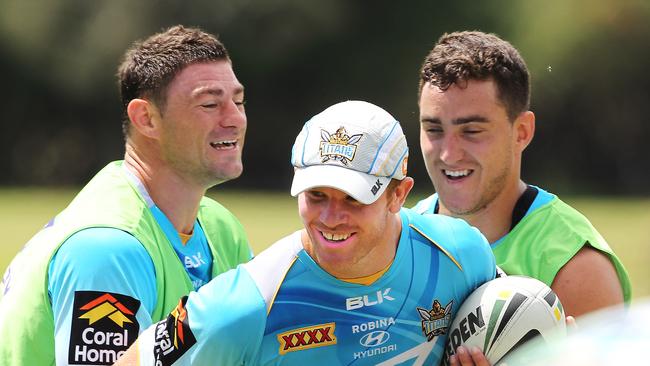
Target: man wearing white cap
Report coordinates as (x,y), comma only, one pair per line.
(364,282)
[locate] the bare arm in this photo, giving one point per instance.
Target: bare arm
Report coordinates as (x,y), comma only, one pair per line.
(587,282)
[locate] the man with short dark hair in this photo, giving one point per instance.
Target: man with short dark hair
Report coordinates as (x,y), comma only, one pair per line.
(474,98)
(141,233)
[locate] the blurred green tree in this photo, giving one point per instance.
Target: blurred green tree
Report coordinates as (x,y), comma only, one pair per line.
(60,110)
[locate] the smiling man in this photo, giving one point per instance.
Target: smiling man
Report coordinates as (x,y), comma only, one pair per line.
(357,285)
(140,234)
(475,124)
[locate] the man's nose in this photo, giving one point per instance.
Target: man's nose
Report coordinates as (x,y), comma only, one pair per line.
(450,149)
(234,116)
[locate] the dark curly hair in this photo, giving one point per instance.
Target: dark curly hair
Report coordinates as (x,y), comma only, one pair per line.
(150,65)
(471,55)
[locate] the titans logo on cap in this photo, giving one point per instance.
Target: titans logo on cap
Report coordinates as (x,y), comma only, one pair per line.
(338,146)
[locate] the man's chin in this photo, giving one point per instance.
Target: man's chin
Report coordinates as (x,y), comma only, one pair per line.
(458,208)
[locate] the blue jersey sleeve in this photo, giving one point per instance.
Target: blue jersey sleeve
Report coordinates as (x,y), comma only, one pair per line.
(102,286)
(221,324)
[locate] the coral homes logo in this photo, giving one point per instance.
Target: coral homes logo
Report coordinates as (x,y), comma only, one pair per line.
(103,327)
(309,337)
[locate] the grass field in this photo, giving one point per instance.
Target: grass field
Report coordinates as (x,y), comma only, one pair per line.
(625,223)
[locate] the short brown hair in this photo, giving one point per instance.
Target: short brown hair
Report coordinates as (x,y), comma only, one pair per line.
(150,65)
(471,55)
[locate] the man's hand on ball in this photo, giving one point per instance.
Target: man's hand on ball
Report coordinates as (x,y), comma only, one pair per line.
(468,357)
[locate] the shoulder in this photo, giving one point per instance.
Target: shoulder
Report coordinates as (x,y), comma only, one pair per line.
(548,206)
(96,248)
(445,230)
(103,259)
(554,227)
(462,243)
(268,268)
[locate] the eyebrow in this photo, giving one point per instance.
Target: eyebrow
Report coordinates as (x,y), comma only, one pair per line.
(217,91)
(457,121)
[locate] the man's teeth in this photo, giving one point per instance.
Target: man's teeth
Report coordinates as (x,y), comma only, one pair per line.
(335,237)
(223,144)
(457,173)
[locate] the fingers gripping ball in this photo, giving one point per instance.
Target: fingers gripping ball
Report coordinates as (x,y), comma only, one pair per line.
(504,313)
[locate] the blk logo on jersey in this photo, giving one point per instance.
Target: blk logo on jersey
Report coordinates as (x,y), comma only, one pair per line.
(437,320)
(194,261)
(359,302)
(309,337)
(173,336)
(103,327)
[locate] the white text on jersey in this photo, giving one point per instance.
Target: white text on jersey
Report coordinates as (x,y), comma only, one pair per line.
(359,302)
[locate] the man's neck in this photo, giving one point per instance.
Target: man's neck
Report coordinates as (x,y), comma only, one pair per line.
(495,219)
(176,197)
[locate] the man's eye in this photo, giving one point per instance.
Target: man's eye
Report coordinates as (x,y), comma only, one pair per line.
(314,194)
(210,105)
(240,102)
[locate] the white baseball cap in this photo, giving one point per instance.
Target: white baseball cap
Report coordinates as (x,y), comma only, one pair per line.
(354,146)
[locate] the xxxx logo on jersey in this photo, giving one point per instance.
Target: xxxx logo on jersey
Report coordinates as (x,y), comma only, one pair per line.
(309,337)
(103,327)
(173,336)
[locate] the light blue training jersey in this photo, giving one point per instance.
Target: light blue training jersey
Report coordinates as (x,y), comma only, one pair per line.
(109,260)
(281,308)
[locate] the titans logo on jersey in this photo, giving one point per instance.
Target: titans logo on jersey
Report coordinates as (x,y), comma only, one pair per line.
(435,321)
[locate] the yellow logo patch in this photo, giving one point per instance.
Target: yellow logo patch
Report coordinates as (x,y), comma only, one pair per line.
(308,337)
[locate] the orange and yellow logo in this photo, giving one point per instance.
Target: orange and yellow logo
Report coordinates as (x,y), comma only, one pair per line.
(179,314)
(309,337)
(103,327)
(106,306)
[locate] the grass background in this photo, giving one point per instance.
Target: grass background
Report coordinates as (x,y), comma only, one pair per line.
(268,216)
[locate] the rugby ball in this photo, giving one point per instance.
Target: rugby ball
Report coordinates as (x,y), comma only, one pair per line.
(504,313)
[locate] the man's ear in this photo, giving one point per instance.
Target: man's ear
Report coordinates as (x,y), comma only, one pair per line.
(144,117)
(399,194)
(524,129)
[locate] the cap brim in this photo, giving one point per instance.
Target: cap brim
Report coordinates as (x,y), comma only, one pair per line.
(364,188)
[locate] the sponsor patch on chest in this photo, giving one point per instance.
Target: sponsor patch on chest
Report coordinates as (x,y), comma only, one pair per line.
(308,337)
